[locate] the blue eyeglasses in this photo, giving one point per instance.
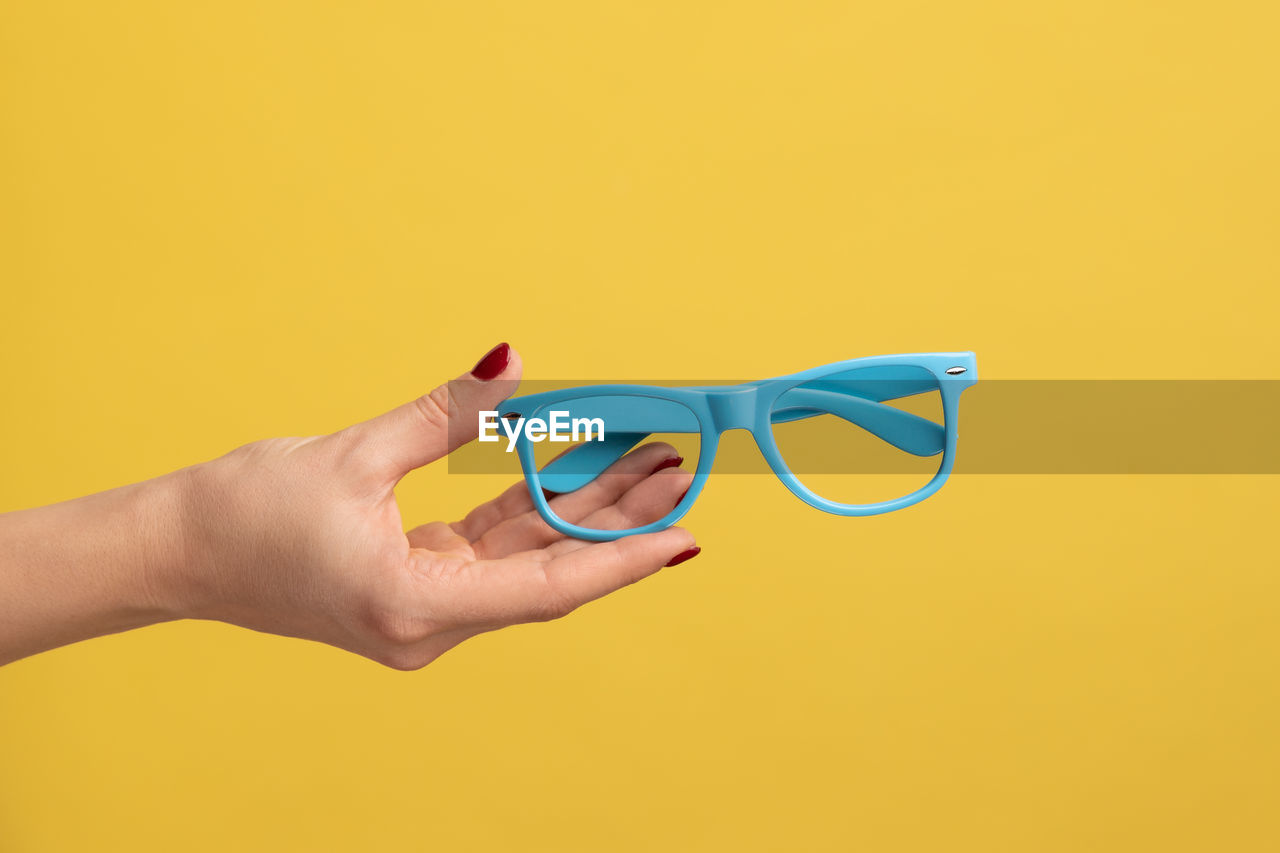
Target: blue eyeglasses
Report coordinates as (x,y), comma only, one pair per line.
(854,438)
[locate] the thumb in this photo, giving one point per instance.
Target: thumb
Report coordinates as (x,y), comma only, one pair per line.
(436,424)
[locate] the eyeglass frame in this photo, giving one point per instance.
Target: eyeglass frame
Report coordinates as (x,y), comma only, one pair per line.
(749,406)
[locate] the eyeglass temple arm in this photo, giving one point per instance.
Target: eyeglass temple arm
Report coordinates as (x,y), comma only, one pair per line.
(629,425)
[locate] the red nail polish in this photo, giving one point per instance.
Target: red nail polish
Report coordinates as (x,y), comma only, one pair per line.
(687,554)
(673,462)
(682,494)
(548,494)
(494,362)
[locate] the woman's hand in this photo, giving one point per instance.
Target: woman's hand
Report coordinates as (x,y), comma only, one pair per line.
(303,537)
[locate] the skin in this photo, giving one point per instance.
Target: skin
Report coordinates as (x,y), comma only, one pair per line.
(303,537)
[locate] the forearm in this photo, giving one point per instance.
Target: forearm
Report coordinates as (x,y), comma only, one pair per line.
(94,565)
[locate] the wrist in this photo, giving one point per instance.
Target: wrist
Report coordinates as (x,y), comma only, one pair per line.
(95,565)
(166,580)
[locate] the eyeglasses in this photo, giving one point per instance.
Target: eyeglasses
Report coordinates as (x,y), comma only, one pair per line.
(854,438)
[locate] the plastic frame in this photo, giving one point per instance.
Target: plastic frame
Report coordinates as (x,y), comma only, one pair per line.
(749,406)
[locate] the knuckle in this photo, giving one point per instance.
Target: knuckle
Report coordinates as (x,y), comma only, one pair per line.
(549,610)
(536,529)
(551,604)
(394,631)
(403,660)
(351,450)
(435,408)
(408,659)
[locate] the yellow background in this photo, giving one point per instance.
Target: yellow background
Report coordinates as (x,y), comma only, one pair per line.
(225,221)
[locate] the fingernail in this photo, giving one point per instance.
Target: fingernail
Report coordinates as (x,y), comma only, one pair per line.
(673,462)
(494,362)
(687,554)
(682,494)
(547,494)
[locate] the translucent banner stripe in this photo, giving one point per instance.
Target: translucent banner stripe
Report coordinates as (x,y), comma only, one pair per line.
(1032,427)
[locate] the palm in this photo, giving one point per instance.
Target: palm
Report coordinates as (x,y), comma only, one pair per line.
(504,564)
